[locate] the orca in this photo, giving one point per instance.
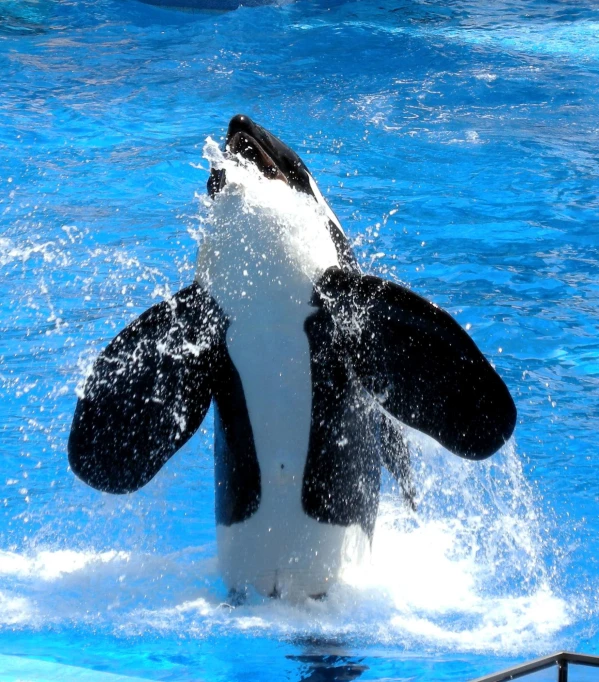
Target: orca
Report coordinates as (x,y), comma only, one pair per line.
(312,368)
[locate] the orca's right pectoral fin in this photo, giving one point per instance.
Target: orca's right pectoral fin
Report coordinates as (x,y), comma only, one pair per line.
(419,364)
(148,393)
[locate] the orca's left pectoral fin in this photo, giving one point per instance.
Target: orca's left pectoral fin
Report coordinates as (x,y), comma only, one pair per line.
(147,394)
(419,363)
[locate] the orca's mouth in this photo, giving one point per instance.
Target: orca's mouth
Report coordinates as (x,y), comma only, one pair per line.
(244,145)
(255,144)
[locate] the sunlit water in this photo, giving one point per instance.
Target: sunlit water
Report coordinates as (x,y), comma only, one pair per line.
(458,144)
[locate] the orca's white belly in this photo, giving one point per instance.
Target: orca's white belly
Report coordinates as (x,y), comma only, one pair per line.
(280,549)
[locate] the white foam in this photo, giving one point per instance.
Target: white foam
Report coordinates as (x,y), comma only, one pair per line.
(49,252)
(50,565)
(15,610)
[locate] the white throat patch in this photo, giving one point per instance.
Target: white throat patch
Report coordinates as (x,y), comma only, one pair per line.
(264,239)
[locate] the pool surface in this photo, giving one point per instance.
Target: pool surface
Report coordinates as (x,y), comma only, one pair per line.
(458,144)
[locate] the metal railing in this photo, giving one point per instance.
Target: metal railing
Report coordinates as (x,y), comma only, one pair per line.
(560,661)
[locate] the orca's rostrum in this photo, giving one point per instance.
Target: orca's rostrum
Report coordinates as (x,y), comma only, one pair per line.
(309,363)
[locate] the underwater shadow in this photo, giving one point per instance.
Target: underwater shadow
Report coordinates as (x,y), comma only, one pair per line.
(326,666)
(329,668)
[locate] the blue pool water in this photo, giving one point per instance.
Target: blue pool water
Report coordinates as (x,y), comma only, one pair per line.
(458,143)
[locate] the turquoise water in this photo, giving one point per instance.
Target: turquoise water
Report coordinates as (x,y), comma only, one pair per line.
(457,142)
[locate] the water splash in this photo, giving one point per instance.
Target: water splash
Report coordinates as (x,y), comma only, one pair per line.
(267,229)
(466,572)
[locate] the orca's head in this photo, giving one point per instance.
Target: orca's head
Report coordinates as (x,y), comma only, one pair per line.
(276,161)
(273,158)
